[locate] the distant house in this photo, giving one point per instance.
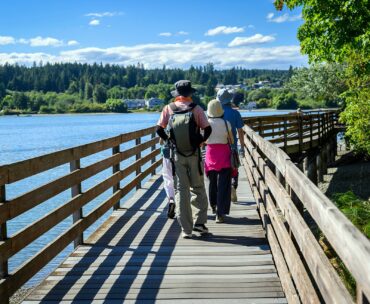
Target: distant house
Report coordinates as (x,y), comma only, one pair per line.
(251,105)
(232,87)
(154,102)
(133,104)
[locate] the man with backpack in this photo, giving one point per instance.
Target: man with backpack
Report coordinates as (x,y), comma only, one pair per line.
(185,119)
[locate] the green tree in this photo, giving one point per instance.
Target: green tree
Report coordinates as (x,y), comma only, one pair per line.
(116,105)
(339,31)
(100,93)
(321,82)
(88,91)
(285,101)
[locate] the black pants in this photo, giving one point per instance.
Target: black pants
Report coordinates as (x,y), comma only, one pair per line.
(234,180)
(220,190)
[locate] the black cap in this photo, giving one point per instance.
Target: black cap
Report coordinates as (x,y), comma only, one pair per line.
(183,88)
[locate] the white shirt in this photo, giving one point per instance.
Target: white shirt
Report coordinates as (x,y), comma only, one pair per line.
(219,133)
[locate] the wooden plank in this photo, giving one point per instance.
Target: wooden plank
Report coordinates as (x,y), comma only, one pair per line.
(328,281)
(32,166)
(296,267)
(36,196)
(347,241)
(76,190)
(282,268)
(34,264)
(24,237)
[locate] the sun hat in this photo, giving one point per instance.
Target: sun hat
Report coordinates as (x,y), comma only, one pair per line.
(214,109)
(183,88)
(224,96)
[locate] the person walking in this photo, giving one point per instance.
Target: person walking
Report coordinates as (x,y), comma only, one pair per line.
(233,116)
(217,161)
(185,119)
(168,174)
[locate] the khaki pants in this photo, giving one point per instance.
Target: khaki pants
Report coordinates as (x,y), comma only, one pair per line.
(190,182)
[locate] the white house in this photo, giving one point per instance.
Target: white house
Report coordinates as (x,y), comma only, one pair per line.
(133,104)
(153,102)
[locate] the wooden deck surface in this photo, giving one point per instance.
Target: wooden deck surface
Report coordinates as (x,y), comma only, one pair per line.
(138,256)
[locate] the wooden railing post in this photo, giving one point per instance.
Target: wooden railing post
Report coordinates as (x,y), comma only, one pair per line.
(4,269)
(285,135)
(75,191)
(115,169)
(300,132)
(152,149)
(138,156)
(311,131)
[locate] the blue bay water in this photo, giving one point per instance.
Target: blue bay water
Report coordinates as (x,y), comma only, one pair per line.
(24,137)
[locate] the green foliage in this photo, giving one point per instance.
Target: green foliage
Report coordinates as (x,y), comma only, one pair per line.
(356,116)
(339,31)
(322,83)
(263,103)
(258,94)
(100,93)
(116,105)
(355,209)
(333,29)
(285,101)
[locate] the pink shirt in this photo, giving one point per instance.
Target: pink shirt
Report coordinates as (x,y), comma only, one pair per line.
(183,103)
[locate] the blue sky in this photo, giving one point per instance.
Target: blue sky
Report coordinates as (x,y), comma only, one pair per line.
(246,33)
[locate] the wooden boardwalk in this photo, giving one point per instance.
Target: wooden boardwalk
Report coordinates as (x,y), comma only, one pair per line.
(138,256)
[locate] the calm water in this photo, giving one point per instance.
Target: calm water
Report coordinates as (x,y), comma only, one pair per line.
(25,137)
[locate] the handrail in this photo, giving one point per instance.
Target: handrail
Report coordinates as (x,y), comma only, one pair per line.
(9,209)
(295,132)
(278,183)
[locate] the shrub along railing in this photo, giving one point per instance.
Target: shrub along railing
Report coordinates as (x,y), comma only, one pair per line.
(9,209)
(281,190)
(295,132)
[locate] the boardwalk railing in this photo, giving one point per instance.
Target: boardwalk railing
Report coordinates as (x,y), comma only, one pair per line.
(9,209)
(295,133)
(281,191)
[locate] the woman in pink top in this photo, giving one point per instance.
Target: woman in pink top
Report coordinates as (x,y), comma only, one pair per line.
(217,162)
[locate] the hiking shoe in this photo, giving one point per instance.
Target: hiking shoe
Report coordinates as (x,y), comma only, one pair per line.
(220,219)
(186,235)
(171,210)
(200,228)
(213,209)
(234,197)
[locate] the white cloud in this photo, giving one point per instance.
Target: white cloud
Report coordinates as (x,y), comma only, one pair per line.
(47,41)
(72,42)
(182,33)
(94,22)
(224,30)
(251,26)
(255,39)
(104,14)
(283,18)
(165,34)
(4,40)
(172,55)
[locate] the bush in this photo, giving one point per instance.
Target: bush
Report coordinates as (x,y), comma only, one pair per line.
(46,110)
(285,102)
(116,105)
(263,103)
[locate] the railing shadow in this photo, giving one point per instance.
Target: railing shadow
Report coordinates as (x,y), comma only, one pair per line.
(96,280)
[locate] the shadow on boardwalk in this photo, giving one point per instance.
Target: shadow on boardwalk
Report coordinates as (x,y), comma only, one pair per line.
(138,256)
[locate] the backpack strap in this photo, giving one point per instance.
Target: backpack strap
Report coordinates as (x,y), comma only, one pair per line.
(176,110)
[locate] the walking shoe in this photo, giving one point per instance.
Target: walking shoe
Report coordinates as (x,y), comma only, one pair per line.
(213,209)
(200,228)
(220,219)
(171,210)
(234,197)
(186,235)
